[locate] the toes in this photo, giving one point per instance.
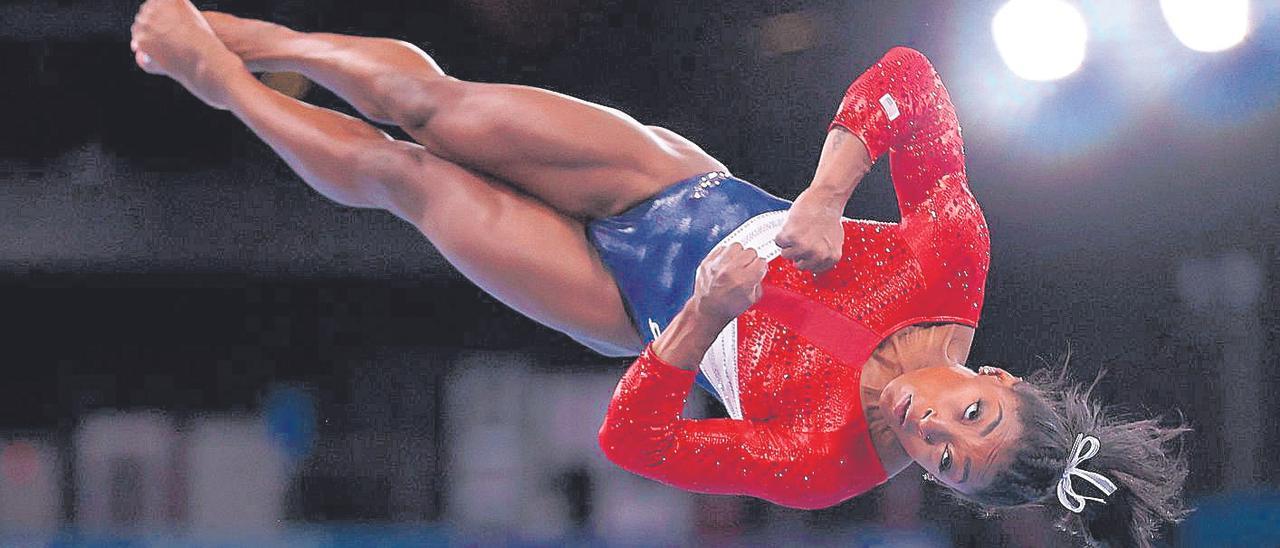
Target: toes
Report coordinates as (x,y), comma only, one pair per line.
(140,21)
(145,62)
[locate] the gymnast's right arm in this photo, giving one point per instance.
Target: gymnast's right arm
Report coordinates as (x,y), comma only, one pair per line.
(644,431)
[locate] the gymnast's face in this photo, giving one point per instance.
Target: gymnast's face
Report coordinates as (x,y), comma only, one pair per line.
(960,426)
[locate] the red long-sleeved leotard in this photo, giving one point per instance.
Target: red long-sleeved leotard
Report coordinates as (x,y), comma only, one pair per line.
(803,440)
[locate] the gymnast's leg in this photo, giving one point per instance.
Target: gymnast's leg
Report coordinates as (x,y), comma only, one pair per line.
(526,254)
(583,159)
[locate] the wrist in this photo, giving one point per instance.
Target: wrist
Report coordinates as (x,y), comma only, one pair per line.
(822,200)
(703,318)
(691,333)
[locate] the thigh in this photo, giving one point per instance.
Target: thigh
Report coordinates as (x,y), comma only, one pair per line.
(526,254)
(583,159)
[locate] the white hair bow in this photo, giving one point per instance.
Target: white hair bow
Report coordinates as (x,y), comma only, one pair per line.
(1084,449)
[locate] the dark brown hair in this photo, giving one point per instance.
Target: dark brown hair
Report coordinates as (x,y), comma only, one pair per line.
(1140,456)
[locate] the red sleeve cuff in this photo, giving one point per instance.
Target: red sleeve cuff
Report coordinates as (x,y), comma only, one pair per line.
(661,366)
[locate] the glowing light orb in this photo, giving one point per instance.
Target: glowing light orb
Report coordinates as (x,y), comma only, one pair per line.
(1040,39)
(1207,25)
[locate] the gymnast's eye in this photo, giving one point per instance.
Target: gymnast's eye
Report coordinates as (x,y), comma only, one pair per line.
(973,411)
(945,463)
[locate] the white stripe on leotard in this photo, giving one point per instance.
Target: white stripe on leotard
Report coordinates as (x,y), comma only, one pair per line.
(720,363)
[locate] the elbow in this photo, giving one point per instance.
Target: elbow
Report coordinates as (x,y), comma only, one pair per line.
(627,447)
(613,444)
(908,57)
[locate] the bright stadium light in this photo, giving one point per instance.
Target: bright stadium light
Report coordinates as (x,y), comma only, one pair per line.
(1207,25)
(1040,39)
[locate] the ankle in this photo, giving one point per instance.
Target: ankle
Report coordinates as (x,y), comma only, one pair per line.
(215,76)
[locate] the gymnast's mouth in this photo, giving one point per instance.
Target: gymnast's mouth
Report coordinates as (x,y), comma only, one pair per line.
(901,410)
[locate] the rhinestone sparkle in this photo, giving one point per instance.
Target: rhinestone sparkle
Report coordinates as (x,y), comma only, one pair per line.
(803,440)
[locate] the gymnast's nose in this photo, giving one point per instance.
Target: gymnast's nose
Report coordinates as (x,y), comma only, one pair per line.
(930,429)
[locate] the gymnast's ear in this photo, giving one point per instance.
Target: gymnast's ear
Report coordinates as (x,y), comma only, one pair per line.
(1006,378)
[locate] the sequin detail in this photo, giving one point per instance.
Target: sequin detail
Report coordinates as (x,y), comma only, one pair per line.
(803,440)
(707,182)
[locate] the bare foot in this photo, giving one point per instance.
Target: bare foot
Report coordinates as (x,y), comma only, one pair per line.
(252,40)
(171,38)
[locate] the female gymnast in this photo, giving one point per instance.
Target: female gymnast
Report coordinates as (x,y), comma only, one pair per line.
(837,346)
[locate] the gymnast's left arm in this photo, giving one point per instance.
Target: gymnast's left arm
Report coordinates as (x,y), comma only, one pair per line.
(644,433)
(644,430)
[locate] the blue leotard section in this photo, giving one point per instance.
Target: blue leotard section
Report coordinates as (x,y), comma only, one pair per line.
(654,248)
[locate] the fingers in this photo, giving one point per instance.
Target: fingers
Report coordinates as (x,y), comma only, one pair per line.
(802,258)
(792,252)
(729,280)
(736,256)
(816,266)
(753,272)
(146,63)
(809,258)
(733,255)
(741,263)
(811,261)
(137,31)
(743,256)
(759,269)
(715,254)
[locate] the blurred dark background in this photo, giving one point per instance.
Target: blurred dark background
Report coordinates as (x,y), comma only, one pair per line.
(157,259)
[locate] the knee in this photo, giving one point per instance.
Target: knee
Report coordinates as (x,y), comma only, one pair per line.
(379,167)
(411,101)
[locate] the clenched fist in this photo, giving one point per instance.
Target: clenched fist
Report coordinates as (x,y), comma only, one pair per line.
(728,281)
(813,237)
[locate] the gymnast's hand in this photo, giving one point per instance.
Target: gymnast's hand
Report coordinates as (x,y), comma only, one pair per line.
(728,282)
(813,237)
